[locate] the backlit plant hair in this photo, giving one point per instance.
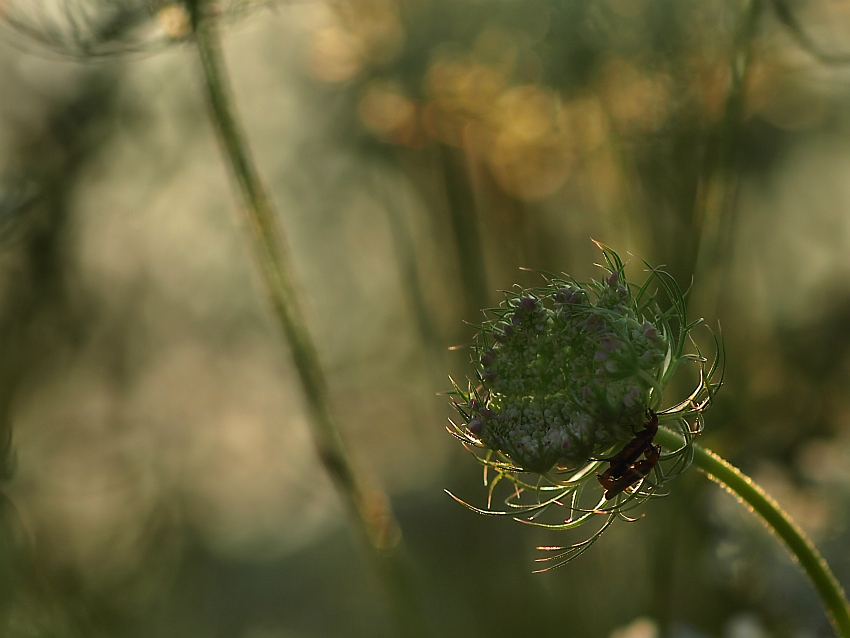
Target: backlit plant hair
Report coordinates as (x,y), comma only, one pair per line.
(571,376)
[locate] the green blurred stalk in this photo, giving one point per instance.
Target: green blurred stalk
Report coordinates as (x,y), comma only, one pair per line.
(716,199)
(369,511)
(460,200)
(404,246)
(779,522)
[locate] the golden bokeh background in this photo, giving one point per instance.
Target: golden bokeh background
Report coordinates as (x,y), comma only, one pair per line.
(161,478)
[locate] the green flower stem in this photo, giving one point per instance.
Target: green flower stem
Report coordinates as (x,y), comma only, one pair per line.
(754,497)
(369,512)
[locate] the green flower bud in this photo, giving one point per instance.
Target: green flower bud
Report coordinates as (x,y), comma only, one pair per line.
(567,371)
(570,376)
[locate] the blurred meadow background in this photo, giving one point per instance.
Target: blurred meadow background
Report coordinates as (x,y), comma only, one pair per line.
(160,479)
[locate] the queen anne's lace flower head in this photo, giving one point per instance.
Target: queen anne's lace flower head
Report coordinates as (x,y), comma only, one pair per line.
(567,374)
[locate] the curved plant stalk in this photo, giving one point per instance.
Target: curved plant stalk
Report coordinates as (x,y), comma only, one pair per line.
(368,510)
(777,520)
(570,492)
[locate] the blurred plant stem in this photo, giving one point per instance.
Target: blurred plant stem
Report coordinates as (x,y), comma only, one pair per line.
(404,246)
(369,510)
(777,520)
(460,199)
(717,193)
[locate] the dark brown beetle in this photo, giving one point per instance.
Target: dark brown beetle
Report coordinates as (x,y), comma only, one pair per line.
(626,467)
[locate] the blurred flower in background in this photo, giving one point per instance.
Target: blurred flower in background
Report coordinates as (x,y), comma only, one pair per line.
(94,28)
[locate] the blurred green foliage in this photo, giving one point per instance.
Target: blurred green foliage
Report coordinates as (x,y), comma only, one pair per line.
(160,476)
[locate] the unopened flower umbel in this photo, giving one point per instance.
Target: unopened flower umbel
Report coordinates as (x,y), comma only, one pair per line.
(571,375)
(565,375)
